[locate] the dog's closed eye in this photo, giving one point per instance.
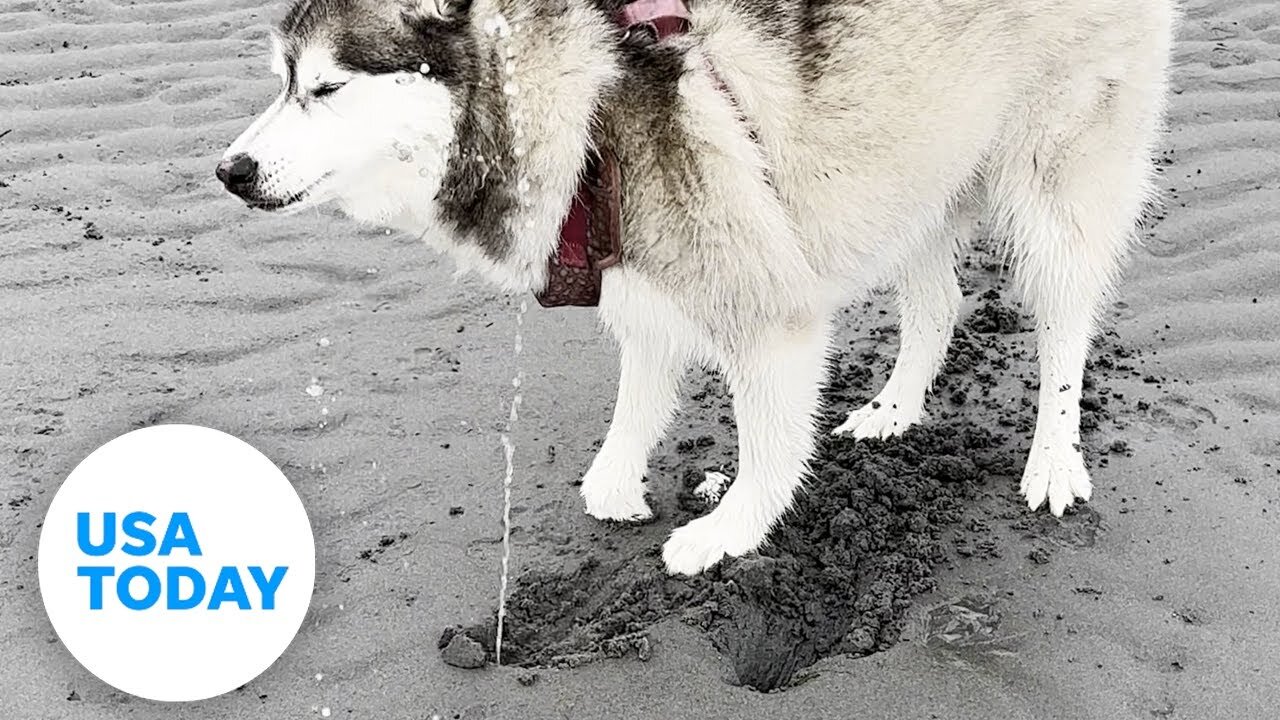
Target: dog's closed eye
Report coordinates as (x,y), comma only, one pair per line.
(325,90)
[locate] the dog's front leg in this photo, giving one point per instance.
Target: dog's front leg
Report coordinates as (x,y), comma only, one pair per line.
(652,365)
(776,383)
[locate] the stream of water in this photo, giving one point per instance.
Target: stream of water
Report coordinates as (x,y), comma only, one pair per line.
(509,448)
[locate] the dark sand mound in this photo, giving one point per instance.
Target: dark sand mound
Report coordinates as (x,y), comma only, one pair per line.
(862,541)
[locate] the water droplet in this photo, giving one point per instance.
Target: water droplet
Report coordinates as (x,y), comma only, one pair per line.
(518,151)
(425,69)
(497,25)
(511,88)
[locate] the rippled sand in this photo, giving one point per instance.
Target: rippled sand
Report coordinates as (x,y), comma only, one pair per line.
(132,291)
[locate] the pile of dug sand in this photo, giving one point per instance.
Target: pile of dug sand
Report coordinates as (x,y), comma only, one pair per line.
(862,541)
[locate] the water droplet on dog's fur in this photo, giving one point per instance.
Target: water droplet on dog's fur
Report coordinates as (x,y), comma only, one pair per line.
(497,25)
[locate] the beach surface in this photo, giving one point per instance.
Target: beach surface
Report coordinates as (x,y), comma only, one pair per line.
(134,291)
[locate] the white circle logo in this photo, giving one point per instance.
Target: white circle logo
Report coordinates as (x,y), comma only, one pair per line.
(176,563)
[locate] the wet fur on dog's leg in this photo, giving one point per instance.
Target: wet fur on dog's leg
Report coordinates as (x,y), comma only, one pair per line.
(654,357)
(928,295)
(776,384)
(613,487)
(1068,234)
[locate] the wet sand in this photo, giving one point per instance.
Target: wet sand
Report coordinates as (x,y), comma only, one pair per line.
(133,292)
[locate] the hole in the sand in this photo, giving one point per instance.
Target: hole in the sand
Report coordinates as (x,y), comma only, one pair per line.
(837,578)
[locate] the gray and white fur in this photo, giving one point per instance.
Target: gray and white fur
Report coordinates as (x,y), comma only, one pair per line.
(856,146)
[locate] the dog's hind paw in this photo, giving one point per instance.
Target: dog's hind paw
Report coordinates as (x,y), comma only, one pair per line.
(1055,472)
(880,419)
(712,487)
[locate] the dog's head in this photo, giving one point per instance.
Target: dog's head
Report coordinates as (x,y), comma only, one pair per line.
(366,114)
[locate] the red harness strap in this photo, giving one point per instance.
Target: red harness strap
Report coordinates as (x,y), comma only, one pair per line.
(591,236)
(666,17)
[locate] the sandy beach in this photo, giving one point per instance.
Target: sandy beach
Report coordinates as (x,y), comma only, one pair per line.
(134,291)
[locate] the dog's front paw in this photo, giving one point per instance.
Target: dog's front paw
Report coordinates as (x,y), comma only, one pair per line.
(1055,472)
(693,548)
(705,542)
(609,498)
(880,419)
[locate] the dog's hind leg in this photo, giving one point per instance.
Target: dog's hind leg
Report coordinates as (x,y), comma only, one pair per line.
(928,296)
(1068,190)
(655,355)
(776,384)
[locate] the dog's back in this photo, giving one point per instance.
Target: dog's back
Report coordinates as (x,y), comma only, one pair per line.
(870,113)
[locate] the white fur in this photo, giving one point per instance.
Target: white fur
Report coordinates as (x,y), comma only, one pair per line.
(376,132)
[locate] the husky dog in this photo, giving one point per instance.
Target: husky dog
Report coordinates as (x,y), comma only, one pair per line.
(779,160)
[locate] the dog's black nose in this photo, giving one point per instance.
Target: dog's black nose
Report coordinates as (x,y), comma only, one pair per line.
(237,172)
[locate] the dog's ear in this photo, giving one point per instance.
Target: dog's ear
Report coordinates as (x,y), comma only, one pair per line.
(279,64)
(442,9)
